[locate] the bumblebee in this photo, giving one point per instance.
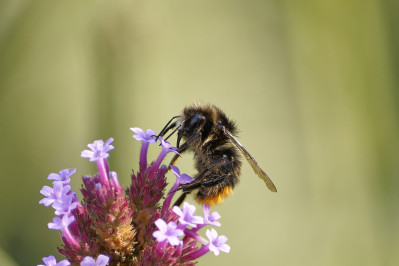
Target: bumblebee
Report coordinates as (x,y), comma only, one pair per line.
(206,130)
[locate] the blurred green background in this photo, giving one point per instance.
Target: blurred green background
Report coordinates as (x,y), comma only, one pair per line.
(313,86)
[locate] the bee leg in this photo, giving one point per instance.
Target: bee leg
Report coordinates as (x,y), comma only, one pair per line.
(180,200)
(187,187)
(190,186)
(174,160)
(213,182)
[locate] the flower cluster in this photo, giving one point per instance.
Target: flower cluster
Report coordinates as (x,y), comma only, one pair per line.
(118,226)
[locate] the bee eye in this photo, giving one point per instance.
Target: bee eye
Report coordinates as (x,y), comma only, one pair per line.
(194,121)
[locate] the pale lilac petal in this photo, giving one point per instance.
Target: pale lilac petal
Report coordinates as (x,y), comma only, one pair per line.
(61,224)
(88,261)
(65,205)
(53,194)
(217,243)
(214,249)
(211,234)
(166,147)
(211,218)
(102,260)
(107,144)
(51,261)
(178,211)
(187,215)
(181,178)
(57,189)
(53,176)
(63,175)
(139,132)
(161,224)
(225,248)
(160,236)
(63,263)
(184,179)
(98,150)
(46,202)
(167,232)
(86,154)
(148,136)
(46,191)
(56,224)
(174,241)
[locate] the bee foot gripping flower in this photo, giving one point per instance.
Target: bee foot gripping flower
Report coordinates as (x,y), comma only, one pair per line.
(117,226)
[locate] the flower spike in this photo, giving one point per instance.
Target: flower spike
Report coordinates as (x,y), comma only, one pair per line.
(113,225)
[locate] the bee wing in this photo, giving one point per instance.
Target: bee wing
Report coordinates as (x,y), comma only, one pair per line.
(251,160)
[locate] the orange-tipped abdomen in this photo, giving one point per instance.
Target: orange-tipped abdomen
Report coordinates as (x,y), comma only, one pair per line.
(218,198)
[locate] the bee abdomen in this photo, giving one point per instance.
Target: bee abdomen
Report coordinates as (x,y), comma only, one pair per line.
(211,199)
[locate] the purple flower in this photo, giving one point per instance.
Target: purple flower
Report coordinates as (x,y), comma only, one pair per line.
(211,218)
(65,205)
(186,215)
(148,136)
(167,232)
(53,194)
(217,243)
(63,175)
(98,150)
(61,224)
(166,147)
(99,154)
(102,260)
(181,178)
(51,261)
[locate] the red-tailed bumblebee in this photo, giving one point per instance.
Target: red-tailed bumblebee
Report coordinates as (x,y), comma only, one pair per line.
(208,132)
